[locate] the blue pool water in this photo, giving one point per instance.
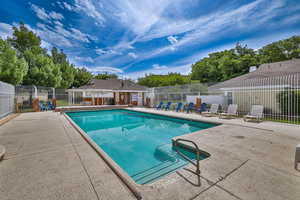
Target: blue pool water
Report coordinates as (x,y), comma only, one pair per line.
(139,143)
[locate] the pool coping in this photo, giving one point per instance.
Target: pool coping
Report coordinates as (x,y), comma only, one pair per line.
(88,108)
(134,187)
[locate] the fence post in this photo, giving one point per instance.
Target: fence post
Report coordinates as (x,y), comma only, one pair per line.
(35,102)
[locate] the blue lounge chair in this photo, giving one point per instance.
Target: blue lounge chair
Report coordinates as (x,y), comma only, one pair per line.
(159,106)
(178,107)
(50,106)
(42,106)
(168,106)
(189,107)
(202,108)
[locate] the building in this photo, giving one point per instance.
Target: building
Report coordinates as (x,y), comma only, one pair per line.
(262,85)
(108,92)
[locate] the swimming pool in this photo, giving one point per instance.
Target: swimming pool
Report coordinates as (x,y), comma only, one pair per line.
(140,143)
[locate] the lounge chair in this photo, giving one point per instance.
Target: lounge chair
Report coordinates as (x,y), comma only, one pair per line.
(50,106)
(178,107)
(188,108)
(167,107)
(159,106)
(231,112)
(256,114)
(213,111)
(42,106)
(202,108)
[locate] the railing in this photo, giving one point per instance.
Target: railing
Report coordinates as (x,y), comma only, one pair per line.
(197,164)
(279,95)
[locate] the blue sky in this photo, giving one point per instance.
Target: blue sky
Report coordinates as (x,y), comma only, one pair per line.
(136,37)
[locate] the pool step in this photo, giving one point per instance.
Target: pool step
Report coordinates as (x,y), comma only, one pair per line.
(152,174)
(170,161)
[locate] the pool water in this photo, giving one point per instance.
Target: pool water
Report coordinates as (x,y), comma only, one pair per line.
(140,143)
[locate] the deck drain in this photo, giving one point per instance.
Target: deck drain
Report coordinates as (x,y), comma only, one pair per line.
(239,137)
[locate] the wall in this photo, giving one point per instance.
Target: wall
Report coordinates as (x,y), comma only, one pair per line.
(7,99)
(213,99)
(245,99)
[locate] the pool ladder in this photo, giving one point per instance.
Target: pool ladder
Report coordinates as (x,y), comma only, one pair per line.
(197,165)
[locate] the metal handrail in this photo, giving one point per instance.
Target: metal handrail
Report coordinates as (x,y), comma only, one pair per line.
(197,165)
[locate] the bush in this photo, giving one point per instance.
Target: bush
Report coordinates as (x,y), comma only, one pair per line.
(289,102)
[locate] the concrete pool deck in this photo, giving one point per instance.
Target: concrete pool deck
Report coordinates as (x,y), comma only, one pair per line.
(46,158)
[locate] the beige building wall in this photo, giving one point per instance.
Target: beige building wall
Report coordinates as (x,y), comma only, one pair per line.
(246,98)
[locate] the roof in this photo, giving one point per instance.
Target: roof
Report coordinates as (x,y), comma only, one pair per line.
(267,74)
(113,84)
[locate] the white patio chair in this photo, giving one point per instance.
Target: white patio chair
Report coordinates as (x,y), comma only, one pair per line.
(231,112)
(213,111)
(256,113)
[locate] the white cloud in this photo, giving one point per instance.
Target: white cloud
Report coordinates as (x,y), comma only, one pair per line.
(44,15)
(133,55)
(140,16)
(102,69)
(106,52)
(62,34)
(40,12)
(5,30)
(172,39)
(52,36)
(67,6)
(83,59)
(157,66)
(55,15)
(46,45)
(148,22)
(58,23)
(77,34)
(87,7)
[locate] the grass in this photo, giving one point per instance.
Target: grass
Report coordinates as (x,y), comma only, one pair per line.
(24,110)
(283,121)
(62,103)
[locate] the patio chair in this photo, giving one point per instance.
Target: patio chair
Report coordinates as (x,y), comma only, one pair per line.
(231,112)
(42,106)
(178,107)
(213,111)
(188,108)
(202,108)
(159,106)
(256,113)
(50,106)
(167,107)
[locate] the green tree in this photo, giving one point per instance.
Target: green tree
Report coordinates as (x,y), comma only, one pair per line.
(12,68)
(289,102)
(280,50)
(24,39)
(58,57)
(164,80)
(224,65)
(106,76)
(42,70)
(67,69)
(82,77)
